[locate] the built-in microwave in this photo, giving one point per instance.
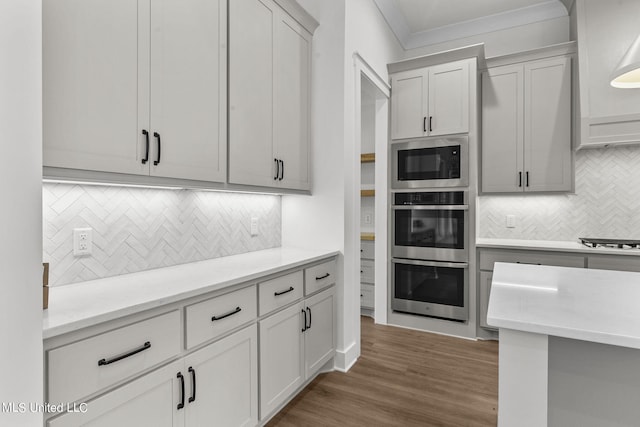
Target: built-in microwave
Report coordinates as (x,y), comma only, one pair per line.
(430,162)
(430,225)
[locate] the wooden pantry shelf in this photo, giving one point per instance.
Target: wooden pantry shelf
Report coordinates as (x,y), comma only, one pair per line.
(367,193)
(368,157)
(367,236)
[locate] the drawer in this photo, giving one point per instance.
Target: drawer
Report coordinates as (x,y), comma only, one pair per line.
(367,295)
(489,257)
(367,271)
(367,249)
(278,292)
(620,263)
(85,367)
(209,319)
(319,277)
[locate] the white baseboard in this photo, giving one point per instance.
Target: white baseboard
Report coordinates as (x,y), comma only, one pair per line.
(347,358)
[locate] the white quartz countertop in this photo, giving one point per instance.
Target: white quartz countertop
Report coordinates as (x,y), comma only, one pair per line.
(584,304)
(76,306)
(552,246)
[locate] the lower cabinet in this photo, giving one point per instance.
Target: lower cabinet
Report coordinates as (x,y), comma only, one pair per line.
(217,385)
(294,344)
(485,292)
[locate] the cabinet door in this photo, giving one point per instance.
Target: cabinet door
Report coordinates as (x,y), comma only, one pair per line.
(484,291)
(547,125)
(502,129)
(188,89)
(95,85)
(320,337)
(150,401)
(292,56)
(409,104)
(225,392)
(251,40)
(449,98)
(281,364)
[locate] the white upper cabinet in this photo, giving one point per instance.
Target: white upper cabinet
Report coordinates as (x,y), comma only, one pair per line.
(136,87)
(526,127)
(430,101)
(269,96)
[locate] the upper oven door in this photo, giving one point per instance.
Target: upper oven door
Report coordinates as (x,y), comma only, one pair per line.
(430,162)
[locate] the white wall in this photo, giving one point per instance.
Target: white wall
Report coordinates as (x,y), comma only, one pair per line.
(332,213)
(510,40)
(21,213)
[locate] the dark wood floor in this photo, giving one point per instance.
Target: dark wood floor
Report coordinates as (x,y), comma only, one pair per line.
(403,378)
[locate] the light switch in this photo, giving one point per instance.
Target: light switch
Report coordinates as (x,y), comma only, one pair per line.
(254,226)
(511,221)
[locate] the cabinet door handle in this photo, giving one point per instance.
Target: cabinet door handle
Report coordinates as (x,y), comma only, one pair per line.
(157,135)
(424,124)
(277,294)
(304,313)
(325,276)
(193,384)
(430,123)
(181,378)
(231,313)
(146,156)
(309,310)
(143,347)
(527,178)
(281,170)
(519,179)
(275,178)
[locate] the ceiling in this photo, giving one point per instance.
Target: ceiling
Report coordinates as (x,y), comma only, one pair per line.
(423,22)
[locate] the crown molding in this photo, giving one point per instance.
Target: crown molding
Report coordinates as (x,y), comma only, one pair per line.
(527,15)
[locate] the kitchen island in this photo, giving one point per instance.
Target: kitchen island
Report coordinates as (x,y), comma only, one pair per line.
(569,341)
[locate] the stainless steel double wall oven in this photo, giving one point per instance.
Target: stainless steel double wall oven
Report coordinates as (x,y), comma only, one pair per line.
(430,227)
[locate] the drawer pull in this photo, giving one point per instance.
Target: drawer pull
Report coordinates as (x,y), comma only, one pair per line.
(277,294)
(528,263)
(144,347)
(193,384)
(309,310)
(304,313)
(237,310)
(181,378)
(324,277)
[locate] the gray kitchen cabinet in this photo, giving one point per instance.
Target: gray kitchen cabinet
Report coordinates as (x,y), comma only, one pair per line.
(526,127)
(269,96)
(612,262)
(135,88)
(367,276)
(430,101)
(484,293)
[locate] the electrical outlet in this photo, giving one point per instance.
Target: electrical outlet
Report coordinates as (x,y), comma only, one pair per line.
(82,241)
(511,221)
(254,226)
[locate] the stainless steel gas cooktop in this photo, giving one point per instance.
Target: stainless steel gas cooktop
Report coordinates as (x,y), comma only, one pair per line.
(610,243)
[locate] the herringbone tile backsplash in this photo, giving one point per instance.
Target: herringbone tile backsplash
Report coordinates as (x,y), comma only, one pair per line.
(606,203)
(137,229)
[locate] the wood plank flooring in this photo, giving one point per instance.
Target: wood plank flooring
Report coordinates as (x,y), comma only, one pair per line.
(403,378)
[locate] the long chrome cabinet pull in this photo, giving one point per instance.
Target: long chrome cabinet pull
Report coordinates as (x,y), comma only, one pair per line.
(277,294)
(181,378)
(146,156)
(231,313)
(157,135)
(193,384)
(143,347)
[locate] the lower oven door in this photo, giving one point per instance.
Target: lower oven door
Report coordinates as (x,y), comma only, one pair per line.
(429,288)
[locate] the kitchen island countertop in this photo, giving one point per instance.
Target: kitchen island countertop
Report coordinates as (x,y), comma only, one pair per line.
(551,246)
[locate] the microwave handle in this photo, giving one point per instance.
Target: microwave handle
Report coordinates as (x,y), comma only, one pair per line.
(431,263)
(430,207)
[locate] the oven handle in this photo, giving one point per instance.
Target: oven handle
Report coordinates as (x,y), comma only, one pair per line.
(430,207)
(431,263)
